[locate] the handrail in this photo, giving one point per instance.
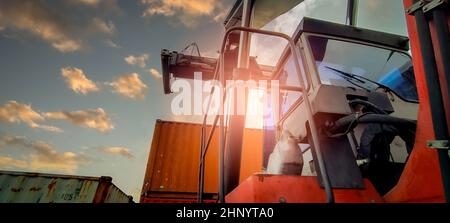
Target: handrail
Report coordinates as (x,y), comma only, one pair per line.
(204,147)
(305,90)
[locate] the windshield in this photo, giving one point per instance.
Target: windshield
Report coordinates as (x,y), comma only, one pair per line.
(285,16)
(268,49)
(362,66)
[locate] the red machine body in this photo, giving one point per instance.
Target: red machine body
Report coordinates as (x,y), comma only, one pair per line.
(420,181)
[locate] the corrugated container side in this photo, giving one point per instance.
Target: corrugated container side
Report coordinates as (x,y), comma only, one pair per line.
(24,187)
(115,195)
(17,187)
(173,163)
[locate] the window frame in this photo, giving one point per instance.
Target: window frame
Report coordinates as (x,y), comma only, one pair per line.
(306,56)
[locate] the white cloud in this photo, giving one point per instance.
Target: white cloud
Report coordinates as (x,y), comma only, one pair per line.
(88,2)
(105,27)
(66,162)
(121,151)
(67,45)
(77,81)
(137,60)
(40,156)
(221,14)
(36,18)
(16,113)
(112,44)
(130,86)
(168,7)
(9,162)
(50,128)
(58,24)
(94,118)
(155,73)
(13,112)
(187,12)
(103,5)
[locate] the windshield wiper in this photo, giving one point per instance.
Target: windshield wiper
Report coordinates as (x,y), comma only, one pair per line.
(352,78)
(349,77)
(359,77)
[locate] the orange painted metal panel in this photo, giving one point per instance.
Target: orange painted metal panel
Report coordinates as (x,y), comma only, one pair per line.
(173,200)
(440,66)
(263,188)
(173,163)
(421,179)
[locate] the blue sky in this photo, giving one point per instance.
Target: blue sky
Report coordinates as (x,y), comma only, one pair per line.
(92,120)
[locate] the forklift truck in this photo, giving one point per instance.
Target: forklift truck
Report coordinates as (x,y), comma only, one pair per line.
(349,94)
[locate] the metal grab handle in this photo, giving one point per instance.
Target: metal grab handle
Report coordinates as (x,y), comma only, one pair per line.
(304,90)
(314,132)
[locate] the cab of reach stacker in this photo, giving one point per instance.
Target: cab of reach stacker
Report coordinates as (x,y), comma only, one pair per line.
(346,113)
(364,103)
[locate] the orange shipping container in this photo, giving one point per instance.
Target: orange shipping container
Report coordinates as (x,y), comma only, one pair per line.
(173,163)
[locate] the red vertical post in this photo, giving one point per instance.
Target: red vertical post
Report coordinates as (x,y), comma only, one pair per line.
(421,179)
